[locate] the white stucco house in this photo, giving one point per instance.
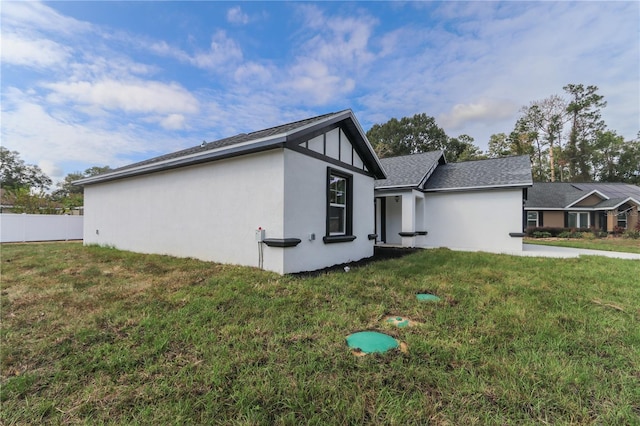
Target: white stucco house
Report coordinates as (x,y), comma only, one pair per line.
(296,197)
(473,205)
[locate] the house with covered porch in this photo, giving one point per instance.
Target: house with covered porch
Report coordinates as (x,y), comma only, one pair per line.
(474,205)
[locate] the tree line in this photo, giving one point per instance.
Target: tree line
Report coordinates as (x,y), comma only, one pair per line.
(25,188)
(565,136)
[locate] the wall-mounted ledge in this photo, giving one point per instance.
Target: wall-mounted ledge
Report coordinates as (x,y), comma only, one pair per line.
(282,242)
(407,234)
(517,234)
(338,239)
(421,232)
(372,236)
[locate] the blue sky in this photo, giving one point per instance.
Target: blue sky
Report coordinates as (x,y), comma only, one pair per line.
(111,83)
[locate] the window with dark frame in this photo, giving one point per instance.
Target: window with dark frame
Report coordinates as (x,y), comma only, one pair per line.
(622,220)
(339,206)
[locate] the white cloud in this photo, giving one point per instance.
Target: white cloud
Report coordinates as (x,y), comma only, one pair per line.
(36,16)
(137,96)
(37,53)
(340,41)
(251,72)
(486,110)
(235,15)
(173,122)
(480,62)
(107,96)
(162,48)
(333,54)
(50,137)
(316,83)
(51,169)
(223,52)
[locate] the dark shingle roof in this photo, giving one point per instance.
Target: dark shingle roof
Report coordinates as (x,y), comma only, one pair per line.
(408,170)
(244,143)
(558,195)
(491,173)
(233,140)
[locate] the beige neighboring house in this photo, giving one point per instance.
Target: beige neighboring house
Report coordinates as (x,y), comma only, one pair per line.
(601,206)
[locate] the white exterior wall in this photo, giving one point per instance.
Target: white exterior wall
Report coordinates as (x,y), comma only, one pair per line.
(305,210)
(208,211)
(39,227)
(474,220)
(394,219)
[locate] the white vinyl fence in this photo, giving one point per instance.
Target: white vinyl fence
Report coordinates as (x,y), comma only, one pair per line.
(39,227)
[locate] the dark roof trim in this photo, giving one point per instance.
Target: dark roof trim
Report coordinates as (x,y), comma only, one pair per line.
(477,188)
(222,153)
(330,160)
(345,119)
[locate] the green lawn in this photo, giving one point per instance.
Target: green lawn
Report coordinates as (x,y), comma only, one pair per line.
(627,245)
(94,335)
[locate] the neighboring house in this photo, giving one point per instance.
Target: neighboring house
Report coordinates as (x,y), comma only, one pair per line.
(473,205)
(304,188)
(602,206)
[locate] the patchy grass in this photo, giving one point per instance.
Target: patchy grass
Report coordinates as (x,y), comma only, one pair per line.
(627,245)
(96,335)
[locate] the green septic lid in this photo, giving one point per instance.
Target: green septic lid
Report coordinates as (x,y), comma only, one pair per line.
(371,341)
(429,297)
(398,321)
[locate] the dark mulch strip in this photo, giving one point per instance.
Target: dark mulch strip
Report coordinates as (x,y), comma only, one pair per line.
(379,253)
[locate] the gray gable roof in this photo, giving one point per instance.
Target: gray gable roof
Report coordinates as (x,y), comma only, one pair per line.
(409,170)
(559,195)
(478,174)
(245,143)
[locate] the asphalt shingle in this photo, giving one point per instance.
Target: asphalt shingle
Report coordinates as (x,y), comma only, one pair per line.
(408,170)
(558,195)
(233,140)
(494,172)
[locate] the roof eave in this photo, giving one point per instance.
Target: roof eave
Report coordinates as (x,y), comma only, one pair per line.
(626,200)
(391,187)
(473,188)
(201,157)
(593,192)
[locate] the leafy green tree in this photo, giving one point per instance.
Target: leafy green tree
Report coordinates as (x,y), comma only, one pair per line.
(462,149)
(409,135)
(526,139)
(499,146)
(628,167)
(615,160)
(72,196)
(586,122)
(15,174)
(547,119)
(605,156)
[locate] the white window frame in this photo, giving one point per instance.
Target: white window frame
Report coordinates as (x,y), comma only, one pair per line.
(334,201)
(532,220)
(579,224)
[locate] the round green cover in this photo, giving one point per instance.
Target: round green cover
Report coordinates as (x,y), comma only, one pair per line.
(430,297)
(371,341)
(399,321)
